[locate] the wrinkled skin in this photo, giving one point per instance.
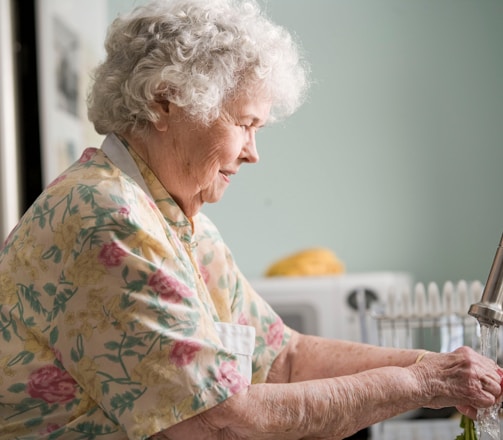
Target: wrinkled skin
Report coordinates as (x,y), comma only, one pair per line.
(329,389)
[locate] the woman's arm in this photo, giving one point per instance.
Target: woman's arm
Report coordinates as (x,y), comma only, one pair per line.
(312,357)
(336,407)
(326,408)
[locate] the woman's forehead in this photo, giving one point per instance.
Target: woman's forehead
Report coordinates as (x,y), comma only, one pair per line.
(255,106)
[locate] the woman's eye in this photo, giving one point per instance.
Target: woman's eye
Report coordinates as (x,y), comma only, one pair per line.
(250,127)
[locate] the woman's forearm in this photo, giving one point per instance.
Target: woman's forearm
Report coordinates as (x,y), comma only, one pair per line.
(337,407)
(327,408)
(312,357)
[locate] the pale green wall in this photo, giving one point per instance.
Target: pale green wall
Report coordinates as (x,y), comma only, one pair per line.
(395,162)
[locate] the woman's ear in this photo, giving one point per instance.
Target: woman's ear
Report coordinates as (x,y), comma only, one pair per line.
(162,110)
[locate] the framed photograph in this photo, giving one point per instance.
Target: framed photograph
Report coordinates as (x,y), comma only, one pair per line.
(70,37)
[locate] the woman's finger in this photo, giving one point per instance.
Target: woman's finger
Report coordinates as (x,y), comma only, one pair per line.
(500,374)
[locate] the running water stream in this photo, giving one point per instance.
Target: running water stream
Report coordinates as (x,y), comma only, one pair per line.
(488,424)
(489,314)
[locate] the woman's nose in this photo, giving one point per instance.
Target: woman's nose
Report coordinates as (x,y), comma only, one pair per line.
(249,152)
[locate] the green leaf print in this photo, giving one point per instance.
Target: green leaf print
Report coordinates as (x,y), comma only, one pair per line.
(90,430)
(30,322)
(112,345)
(38,213)
(25,357)
(4,317)
(50,288)
(27,404)
(74,355)
(34,422)
(53,253)
(125,272)
(125,401)
(17,388)
(53,336)
(129,353)
(133,341)
(45,408)
(119,200)
(61,300)
(136,285)
(112,358)
(260,345)
(77,354)
(255,368)
(6,335)
(197,402)
(208,258)
(126,302)
(56,434)
(28,358)
(87,193)
(102,216)
(32,296)
(253,310)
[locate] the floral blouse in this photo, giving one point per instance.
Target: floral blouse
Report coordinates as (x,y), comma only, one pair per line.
(109,299)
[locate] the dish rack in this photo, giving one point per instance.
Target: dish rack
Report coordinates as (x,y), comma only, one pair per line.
(426,317)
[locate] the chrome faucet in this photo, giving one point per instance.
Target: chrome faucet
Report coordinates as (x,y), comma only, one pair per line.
(489,310)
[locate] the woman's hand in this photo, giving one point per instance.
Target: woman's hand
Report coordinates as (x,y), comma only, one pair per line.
(463,378)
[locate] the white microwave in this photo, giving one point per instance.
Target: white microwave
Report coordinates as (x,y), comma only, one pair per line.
(328,305)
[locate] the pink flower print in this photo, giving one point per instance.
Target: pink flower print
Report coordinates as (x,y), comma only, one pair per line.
(243,320)
(152,203)
(229,377)
(275,334)
(51,427)
(205,273)
(52,385)
(57,354)
(169,288)
(125,210)
(184,352)
(57,180)
(111,255)
(87,154)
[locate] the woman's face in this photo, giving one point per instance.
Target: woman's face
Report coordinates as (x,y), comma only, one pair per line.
(196,162)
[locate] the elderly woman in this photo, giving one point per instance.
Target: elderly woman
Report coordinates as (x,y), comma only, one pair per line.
(124,315)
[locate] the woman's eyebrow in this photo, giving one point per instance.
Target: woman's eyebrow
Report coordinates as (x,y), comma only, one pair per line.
(254,119)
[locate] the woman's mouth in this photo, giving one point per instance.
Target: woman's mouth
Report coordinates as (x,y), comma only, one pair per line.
(226,175)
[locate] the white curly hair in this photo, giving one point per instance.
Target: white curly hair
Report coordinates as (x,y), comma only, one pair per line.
(197,54)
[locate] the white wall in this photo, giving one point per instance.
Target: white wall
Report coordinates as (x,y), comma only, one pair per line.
(395,162)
